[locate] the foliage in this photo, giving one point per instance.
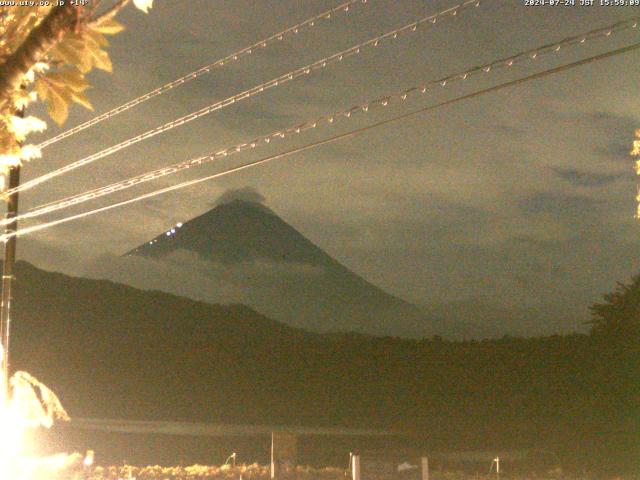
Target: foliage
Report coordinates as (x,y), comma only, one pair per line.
(620,313)
(49,51)
(635,152)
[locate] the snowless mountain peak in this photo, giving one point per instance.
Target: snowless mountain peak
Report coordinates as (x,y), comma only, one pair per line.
(281,272)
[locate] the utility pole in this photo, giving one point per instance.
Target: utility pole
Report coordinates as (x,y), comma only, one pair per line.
(7,272)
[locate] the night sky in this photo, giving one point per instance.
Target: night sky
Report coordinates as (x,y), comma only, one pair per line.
(521,199)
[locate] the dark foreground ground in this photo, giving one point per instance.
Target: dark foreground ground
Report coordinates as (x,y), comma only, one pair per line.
(319,457)
(262,472)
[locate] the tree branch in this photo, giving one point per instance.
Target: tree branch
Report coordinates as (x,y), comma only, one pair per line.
(60,20)
(110,13)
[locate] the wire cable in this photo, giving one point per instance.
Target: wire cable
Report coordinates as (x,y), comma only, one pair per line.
(277,37)
(282,79)
(329,119)
(326,141)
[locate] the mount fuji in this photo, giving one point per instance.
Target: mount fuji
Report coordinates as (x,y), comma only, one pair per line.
(249,255)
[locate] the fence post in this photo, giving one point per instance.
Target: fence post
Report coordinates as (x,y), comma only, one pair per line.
(273,463)
(425,468)
(355,467)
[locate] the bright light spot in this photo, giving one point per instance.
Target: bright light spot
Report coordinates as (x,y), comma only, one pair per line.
(29,404)
(89,458)
(143,5)
(173,230)
(21,127)
(179,225)
(168,234)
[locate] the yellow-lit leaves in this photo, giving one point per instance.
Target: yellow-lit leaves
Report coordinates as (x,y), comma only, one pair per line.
(101,60)
(97,37)
(108,27)
(57,98)
(71,77)
(635,151)
(83,51)
(79,53)
(60,89)
(71,51)
(58,77)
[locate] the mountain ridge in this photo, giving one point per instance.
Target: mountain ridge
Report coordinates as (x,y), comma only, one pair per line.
(311,289)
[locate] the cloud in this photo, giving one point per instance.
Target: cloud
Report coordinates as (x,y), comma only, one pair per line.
(557,203)
(618,132)
(186,274)
(245,194)
(584,179)
(616,151)
(511,131)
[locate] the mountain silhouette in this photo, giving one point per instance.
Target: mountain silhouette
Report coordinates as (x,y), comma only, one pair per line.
(281,273)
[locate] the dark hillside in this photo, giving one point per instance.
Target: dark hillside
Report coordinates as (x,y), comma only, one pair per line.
(112,351)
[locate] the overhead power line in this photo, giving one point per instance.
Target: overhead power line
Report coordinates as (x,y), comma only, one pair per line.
(275,38)
(352,133)
(282,79)
(330,119)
